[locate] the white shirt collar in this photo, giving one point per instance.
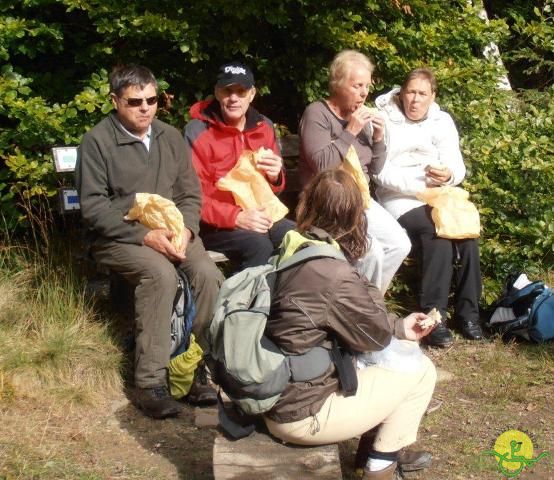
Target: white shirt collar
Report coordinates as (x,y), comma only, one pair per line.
(145,140)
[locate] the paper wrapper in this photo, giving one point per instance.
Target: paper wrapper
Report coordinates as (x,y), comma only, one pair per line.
(454,215)
(351,164)
(250,188)
(154,211)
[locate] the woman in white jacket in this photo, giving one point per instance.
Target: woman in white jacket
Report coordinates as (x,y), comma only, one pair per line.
(423,152)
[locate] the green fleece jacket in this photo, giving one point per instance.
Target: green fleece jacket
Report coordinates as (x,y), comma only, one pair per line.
(112,166)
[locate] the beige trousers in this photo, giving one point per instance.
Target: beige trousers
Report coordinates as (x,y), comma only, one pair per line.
(396,401)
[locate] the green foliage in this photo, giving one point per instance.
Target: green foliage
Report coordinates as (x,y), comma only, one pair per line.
(508,147)
(536,47)
(56,56)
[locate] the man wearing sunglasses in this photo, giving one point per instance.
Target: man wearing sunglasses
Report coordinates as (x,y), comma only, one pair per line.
(219,132)
(132,152)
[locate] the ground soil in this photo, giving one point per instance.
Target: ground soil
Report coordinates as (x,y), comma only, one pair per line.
(115,441)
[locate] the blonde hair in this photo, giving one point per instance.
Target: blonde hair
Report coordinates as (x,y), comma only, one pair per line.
(342,65)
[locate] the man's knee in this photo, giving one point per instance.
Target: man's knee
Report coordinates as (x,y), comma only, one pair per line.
(256,250)
(203,273)
(161,273)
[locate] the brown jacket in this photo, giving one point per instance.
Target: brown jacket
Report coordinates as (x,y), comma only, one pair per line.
(313,301)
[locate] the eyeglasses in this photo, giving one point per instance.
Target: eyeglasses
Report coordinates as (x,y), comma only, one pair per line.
(137,102)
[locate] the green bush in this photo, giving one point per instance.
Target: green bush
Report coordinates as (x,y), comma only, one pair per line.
(57,53)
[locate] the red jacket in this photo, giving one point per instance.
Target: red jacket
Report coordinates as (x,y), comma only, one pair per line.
(216,148)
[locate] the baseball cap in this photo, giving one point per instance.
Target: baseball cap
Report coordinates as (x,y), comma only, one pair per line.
(235,72)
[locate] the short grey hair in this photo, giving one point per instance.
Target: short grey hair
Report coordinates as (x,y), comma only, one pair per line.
(131,75)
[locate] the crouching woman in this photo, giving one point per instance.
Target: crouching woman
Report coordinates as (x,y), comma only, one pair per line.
(325,299)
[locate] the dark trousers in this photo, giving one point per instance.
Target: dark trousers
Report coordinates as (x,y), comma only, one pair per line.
(248,248)
(440,259)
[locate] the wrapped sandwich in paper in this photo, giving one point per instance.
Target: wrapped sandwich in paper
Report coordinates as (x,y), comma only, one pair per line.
(250,188)
(154,211)
(351,164)
(454,215)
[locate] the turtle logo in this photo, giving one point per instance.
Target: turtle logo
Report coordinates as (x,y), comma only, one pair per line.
(513,450)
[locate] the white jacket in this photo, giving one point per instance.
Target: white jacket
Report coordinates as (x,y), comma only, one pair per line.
(411,146)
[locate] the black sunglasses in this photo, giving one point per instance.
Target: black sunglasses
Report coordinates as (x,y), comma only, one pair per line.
(137,102)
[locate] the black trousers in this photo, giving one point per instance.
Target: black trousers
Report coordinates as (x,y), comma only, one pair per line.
(440,260)
(246,247)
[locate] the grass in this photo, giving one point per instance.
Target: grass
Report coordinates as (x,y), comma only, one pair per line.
(51,340)
(496,387)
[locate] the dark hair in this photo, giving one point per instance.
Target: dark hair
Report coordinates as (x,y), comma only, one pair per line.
(333,202)
(424,73)
(131,75)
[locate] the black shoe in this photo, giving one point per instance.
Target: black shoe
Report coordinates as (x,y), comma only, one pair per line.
(157,402)
(201,393)
(439,337)
(472,330)
(413,460)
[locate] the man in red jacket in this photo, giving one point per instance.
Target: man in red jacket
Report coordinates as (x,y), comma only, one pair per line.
(219,132)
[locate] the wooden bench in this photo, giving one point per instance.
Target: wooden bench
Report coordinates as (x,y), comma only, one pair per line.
(261,457)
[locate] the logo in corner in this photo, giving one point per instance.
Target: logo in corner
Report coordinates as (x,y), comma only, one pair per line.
(513,450)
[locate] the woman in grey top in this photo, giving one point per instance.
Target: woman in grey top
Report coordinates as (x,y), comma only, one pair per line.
(327,129)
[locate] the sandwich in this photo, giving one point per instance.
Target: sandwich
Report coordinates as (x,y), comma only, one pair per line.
(433,318)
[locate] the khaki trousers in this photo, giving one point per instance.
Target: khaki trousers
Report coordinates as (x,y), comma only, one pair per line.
(155,281)
(395,401)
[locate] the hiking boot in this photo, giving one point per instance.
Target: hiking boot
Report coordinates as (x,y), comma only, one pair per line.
(389,473)
(439,337)
(201,392)
(156,402)
(413,460)
(472,330)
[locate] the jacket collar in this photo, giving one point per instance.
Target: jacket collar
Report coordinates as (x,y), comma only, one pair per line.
(209,111)
(294,241)
(123,138)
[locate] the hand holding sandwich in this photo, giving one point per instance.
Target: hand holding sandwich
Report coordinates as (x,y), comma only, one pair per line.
(437,174)
(269,163)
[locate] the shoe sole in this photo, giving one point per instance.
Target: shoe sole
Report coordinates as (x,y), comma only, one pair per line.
(173,412)
(414,467)
(201,402)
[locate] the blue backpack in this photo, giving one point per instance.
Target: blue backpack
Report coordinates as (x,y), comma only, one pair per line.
(533,309)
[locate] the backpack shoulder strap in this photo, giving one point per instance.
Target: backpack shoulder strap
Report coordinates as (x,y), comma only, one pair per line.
(311,252)
(531,290)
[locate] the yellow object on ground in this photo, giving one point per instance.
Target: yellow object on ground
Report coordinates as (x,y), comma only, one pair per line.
(182,368)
